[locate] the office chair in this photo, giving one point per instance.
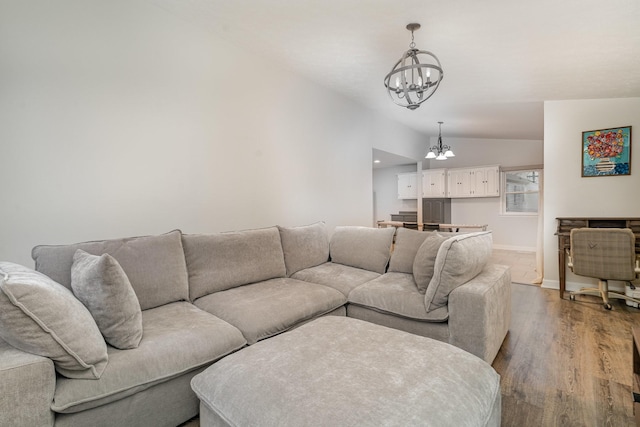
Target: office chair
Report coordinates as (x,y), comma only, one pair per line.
(605,254)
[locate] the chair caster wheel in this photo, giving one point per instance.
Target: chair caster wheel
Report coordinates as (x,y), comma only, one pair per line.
(607,306)
(572,297)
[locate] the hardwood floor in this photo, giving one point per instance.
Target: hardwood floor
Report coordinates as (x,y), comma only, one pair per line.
(566,363)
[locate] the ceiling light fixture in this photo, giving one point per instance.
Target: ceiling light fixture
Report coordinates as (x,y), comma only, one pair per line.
(443,151)
(413,79)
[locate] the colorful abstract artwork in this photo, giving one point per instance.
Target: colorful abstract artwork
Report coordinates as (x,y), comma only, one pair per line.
(606,152)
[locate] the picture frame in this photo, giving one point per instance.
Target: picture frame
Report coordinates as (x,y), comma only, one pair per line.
(606,152)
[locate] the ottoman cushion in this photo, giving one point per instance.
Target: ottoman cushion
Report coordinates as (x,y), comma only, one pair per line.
(341,371)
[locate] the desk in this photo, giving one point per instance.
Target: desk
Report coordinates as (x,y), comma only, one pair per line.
(565,225)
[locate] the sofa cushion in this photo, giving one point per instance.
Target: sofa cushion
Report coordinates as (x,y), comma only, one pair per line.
(396,293)
(154,265)
(178,338)
(264,309)
(406,246)
(221,261)
(460,259)
(40,316)
(337,276)
(425,260)
(362,247)
(305,246)
(103,287)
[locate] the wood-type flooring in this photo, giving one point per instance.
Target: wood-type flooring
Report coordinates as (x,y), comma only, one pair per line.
(566,363)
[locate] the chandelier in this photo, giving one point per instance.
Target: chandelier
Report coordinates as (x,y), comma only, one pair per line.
(443,151)
(415,77)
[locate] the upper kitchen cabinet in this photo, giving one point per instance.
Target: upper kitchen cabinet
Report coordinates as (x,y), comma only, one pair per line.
(481,181)
(408,185)
(434,183)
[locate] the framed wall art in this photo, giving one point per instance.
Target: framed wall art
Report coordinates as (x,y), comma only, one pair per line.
(606,152)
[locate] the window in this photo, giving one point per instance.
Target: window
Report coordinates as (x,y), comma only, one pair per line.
(521,191)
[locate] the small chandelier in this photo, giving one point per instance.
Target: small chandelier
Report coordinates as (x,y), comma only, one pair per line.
(443,151)
(413,79)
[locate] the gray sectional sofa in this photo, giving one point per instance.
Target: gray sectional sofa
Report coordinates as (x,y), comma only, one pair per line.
(112,332)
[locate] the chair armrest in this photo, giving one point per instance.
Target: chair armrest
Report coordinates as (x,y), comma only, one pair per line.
(27,384)
(480,312)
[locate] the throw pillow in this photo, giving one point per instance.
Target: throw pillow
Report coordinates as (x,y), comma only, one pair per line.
(304,247)
(425,259)
(40,316)
(404,251)
(460,259)
(103,287)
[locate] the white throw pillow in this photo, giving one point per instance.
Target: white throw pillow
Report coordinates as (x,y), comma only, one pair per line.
(425,259)
(40,316)
(103,287)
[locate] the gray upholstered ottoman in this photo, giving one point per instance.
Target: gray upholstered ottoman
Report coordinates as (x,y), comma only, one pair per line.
(338,371)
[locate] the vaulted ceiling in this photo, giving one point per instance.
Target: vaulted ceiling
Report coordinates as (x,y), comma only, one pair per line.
(501,58)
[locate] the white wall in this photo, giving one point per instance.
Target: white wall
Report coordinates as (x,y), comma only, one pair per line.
(479,152)
(118,119)
(567,193)
(385,187)
(398,139)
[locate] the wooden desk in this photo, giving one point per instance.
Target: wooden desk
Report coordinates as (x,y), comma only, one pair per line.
(565,225)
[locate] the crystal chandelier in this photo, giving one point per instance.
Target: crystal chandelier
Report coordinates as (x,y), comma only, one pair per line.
(443,151)
(415,77)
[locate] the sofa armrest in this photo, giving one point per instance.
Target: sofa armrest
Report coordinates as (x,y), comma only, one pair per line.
(27,384)
(480,312)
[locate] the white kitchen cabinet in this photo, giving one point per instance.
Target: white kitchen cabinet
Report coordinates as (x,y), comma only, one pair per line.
(408,185)
(481,181)
(434,183)
(487,181)
(459,183)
